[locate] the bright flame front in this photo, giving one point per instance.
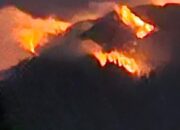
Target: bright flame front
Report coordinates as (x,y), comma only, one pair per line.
(141,28)
(33,32)
(118,59)
(133,63)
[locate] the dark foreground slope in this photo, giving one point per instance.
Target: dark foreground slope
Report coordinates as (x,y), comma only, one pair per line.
(79,95)
(44,94)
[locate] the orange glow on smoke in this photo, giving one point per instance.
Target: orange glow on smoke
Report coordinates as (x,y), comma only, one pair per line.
(163,2)
(140,27)
(33,32)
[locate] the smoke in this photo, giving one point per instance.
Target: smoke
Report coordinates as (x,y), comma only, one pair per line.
(11,17)
(63,8)
(69,45)
(94,11)
(22,33)
(155,52)
(163,2)
(10,53)
(155,2)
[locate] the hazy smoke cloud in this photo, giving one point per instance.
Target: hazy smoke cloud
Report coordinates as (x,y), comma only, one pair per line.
(75,11)
(163,2)
(10,53)
(94,11)
(69,46)
(65,8)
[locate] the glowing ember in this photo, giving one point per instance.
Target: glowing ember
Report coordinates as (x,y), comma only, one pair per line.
(140,27)
(32,32)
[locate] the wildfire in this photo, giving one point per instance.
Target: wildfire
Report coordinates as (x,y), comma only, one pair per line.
(141,28)
(163,2)
(33,32)
(131,63)
(119,59)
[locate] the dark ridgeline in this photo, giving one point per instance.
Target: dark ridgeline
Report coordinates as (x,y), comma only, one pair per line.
(80,95)
(109,32)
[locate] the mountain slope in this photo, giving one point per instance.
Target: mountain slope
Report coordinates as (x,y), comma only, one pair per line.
(75,93)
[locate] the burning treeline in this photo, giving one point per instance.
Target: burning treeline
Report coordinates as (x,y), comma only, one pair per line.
(31,32)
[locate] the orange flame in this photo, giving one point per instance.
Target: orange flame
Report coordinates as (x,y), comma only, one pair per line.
(118,59)
(129,63)
(33,32)
(141,28)
(132,64)
(163,2)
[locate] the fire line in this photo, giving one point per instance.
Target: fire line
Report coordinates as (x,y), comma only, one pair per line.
(140,27)
(32,32)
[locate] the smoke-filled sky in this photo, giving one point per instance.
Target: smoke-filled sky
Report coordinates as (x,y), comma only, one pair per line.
(80,95)
(10,53)
(62,7)
(65,9)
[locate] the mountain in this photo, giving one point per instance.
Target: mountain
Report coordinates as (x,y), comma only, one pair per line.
(77,94)
(109,32)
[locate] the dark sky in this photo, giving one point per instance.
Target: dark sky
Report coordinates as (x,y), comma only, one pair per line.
(44,7)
